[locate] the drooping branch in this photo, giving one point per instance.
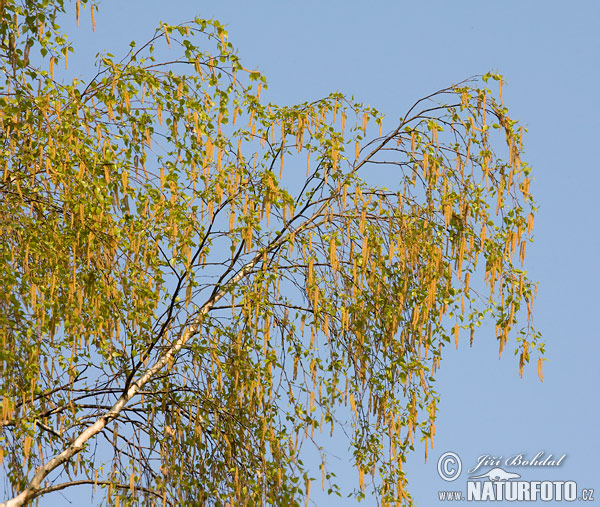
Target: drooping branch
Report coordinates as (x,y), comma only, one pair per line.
(34,486)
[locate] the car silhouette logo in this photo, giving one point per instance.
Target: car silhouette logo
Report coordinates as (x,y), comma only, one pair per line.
(497,474)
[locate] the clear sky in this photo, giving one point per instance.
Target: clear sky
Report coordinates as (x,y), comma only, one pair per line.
(390,53)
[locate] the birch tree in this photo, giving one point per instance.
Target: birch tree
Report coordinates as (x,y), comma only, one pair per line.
(198,288)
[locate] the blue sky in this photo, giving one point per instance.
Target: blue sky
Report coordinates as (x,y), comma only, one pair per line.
(390,53)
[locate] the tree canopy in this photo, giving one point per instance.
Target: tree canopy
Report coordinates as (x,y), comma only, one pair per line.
(198,287)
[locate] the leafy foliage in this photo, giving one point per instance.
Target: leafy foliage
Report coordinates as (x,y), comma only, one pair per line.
(196,284)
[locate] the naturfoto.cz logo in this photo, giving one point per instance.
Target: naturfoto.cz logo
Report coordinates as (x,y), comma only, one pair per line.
(495,482)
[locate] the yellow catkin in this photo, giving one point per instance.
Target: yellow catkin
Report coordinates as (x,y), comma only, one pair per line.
(167,35)
(484,107)
(353,404)
(522,252)
(530,220)
(447,214)
(308,482)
